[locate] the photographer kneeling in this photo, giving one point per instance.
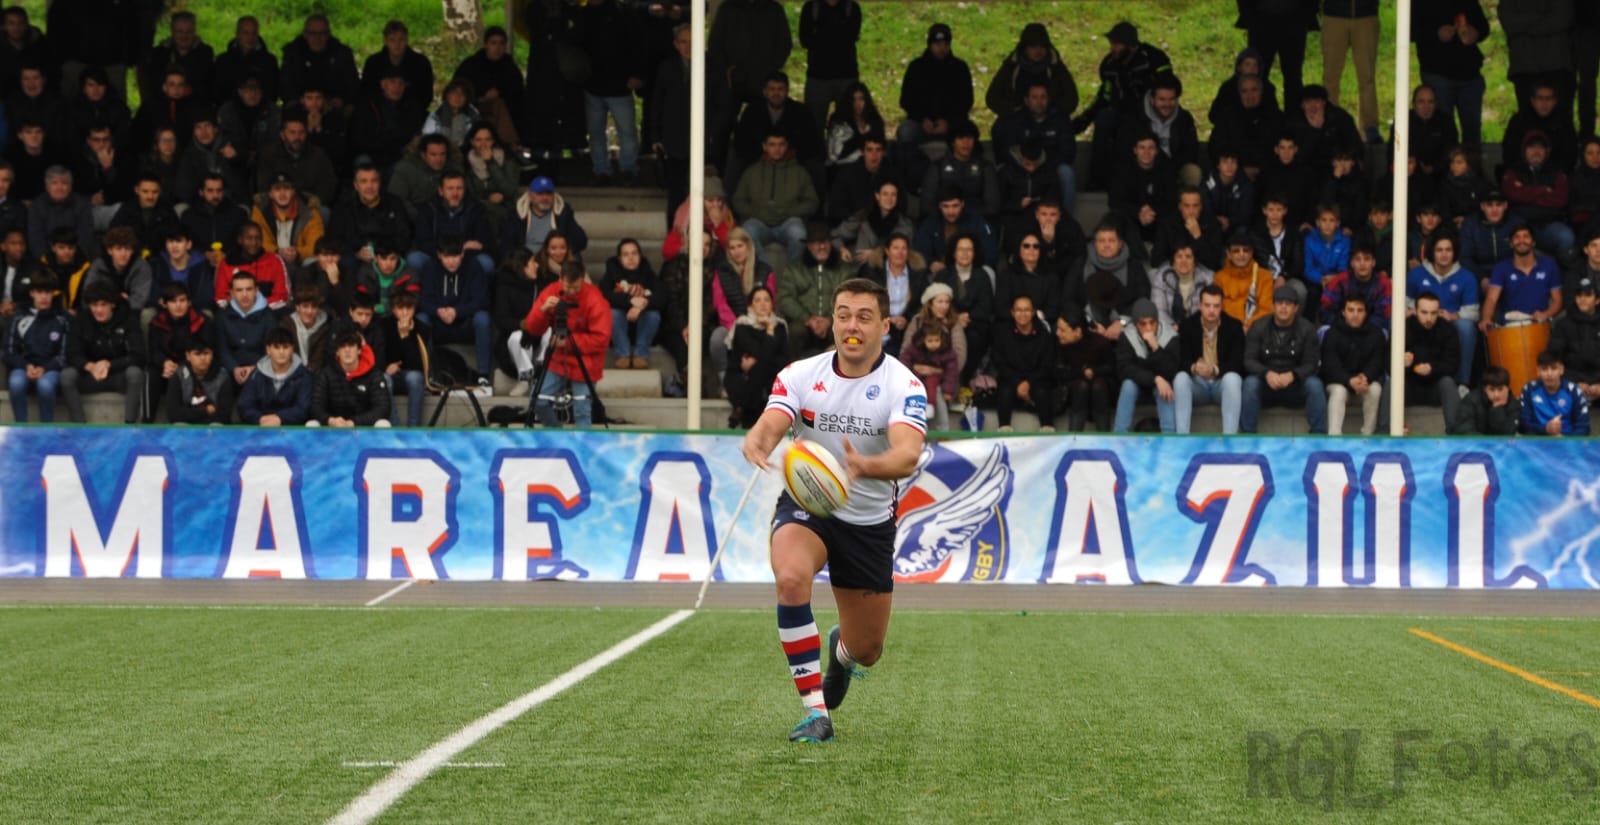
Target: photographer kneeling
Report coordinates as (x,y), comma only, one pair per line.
(579,319)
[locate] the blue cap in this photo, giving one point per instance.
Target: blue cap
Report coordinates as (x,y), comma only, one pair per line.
(542,185)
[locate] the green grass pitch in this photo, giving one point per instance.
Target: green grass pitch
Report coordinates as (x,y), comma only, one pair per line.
(169,715)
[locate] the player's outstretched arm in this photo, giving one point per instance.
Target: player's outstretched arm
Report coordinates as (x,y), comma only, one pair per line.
(893,464)
(764,437)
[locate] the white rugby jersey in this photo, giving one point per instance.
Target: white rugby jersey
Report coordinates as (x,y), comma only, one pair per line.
(826,407)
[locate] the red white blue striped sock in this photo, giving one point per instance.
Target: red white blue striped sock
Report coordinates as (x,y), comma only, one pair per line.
(803,646)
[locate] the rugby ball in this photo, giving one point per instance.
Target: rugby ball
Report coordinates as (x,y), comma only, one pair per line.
(816,480)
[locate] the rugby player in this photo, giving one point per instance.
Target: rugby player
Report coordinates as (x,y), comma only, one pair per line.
(870,410)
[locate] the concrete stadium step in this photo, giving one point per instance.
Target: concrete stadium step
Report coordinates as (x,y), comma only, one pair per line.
(587,199)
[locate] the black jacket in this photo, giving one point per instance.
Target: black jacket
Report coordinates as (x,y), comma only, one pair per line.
(1318,143)
(1144,369)
(1439,348)
(1016,73)
(334,67)
(1269,347)
(501,75)
(381,128)
(43,344)
(188,394)
(935,89)
(1576,338)
(1042,286)
(1018,357)
(1348,352)
(207,226)
(1453,59)
(363,397)
(1230,343)
(354,224)
(417,69)
(118,340)
(829,33)
(234,64)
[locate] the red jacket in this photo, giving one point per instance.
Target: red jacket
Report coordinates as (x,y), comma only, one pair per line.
(271,278)
(590,325)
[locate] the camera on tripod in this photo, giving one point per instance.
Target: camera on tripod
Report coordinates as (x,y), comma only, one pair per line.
(558,318)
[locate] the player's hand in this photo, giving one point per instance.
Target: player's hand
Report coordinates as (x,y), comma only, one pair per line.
(753,452)
(1554,427)
(855,464)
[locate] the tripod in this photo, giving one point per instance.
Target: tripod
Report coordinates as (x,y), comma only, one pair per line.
(531,416)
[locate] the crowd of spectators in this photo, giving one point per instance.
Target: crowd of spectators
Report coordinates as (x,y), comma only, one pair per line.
(287,239)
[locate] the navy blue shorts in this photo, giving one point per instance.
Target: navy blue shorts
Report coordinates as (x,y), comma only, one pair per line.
(859,557)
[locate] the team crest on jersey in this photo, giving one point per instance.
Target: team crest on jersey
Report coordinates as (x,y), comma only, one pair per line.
(952,519)
(778,388)
(872,393)
(808,417)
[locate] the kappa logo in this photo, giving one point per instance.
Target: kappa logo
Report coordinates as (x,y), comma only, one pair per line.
(801,671)
(952,518)
(819,387)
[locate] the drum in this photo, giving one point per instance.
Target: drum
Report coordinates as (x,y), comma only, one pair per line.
(1516,347)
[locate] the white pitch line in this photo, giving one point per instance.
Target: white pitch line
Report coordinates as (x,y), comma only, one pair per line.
(380,797)
(392,591)
(392,764)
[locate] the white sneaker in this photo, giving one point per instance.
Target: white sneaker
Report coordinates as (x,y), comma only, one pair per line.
(521,389)
(1463,390)
(1006,428)
(484,388)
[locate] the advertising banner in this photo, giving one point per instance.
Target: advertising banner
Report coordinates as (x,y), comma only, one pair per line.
(611,506)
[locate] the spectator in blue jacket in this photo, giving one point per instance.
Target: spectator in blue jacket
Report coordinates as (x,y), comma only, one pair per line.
(1327,250)
(1552,405)
(36,350)
(454,304)
(278,393)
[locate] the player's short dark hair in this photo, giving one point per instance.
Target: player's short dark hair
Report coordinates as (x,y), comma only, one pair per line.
(1549,358)
(198,343)
(450,244)
(64,236)
(278,337)
(240,275)
(363,300)
(1494,376)
(1352,298)
(307,294)
(865,286)
(1428,295)
(403,300)
(1214,291)
(433,139)
(348,338)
